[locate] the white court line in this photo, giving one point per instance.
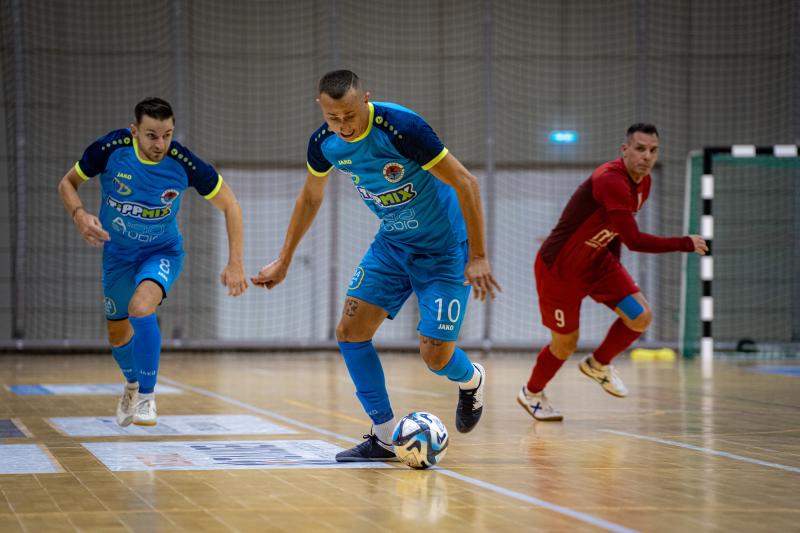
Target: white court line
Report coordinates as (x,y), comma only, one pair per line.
(583,517)
(709,451)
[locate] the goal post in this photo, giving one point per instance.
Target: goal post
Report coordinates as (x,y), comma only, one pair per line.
(745,201)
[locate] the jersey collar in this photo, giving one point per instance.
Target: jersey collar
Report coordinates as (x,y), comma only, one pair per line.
(369,124)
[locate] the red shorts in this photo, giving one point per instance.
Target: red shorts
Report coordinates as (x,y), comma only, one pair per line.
(560,297)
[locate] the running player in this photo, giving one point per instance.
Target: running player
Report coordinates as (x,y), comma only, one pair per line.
(581,257)
(429,205)
(142,175)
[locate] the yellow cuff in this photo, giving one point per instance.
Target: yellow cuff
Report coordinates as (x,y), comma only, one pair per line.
(316,172)
(213,193)
(80,172)
(430,164)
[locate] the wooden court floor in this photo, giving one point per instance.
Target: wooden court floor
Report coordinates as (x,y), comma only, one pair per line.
(679,454)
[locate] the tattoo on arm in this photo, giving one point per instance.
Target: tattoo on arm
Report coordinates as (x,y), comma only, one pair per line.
(431,340)
(350,306)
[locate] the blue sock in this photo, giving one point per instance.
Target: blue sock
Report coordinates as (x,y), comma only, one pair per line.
(459,368)
(366,372)
(124,358)
(146,350)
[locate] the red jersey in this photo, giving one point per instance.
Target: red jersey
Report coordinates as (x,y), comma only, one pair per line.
(597,217)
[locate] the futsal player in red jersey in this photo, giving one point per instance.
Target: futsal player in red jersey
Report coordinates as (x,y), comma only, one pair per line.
(581,257)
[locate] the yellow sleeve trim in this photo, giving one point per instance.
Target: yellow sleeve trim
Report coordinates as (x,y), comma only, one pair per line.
(435,160)
(316,172)
(80,172)
(213,193)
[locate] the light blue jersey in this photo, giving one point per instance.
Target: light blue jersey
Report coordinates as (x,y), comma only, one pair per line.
(141,198)
(389,165)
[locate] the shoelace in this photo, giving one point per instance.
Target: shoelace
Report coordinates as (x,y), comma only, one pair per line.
(143,407)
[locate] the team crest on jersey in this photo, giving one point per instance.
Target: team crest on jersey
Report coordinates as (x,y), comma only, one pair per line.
(393,172)
(168,196)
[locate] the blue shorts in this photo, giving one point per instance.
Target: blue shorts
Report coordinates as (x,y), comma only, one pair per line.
(121,276)
(388,274)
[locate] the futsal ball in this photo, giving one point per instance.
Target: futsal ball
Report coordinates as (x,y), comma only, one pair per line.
(420,439)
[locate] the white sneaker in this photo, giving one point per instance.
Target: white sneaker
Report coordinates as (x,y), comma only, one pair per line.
(605,375)
(125,406)
(538,406)
(145,412)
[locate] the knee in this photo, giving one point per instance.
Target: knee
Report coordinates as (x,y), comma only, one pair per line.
(563,348)
(435,353)
(137,308)
(345,332)
(641,322)
(119,336)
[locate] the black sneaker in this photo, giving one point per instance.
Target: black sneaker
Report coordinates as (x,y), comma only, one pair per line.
(470,404)
(369,450)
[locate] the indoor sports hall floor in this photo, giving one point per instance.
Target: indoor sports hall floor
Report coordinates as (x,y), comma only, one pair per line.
(679,454)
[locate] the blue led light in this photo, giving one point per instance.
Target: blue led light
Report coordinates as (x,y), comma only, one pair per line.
(563,137)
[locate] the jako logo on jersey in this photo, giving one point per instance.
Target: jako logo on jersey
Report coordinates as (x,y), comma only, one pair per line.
(123,188)
(139,211)
(168,196)
(401,195)
(393,172)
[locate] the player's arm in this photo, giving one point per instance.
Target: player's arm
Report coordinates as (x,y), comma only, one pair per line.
(89,225)
(233,275)
(623,223)
(478,272)
(305,210)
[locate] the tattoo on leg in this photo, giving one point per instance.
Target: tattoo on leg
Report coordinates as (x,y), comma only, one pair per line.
(430,340)
(350,306)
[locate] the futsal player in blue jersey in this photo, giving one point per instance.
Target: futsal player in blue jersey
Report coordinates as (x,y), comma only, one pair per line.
(430,242)
(143,174)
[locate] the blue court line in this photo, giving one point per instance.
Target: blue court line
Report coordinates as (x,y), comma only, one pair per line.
(780,370)
(709,451)
(583,517)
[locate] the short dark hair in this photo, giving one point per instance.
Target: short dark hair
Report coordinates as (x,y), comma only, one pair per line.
(337,82)
(649,129)
(153,107)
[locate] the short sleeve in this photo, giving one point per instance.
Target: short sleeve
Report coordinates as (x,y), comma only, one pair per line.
(612,191)
(201,175)
(416,140)
(316,161)
(95,157)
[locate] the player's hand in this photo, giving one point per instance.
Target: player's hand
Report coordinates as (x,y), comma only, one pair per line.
(700,245)
(233,277)
(479,274)
(91,229)
(272,274)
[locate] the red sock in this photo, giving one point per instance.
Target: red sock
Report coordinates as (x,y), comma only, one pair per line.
(544,369)
(618,338)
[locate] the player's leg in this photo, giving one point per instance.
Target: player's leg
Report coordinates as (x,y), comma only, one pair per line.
(118,283)
(154,278)
(560,309)
(618,291)
(377,291)
(438,281)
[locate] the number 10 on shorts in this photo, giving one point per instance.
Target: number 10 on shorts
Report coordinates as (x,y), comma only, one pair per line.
(453,310)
